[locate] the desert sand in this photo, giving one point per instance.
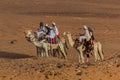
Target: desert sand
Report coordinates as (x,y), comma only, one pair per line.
(18,57)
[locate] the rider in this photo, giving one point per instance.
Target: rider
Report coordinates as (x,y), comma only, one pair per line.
(47,29)
(51,35)
(55,29)
(41,30)
(87,38)
(87,35)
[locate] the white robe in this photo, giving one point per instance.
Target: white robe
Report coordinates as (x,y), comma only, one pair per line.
(85,36)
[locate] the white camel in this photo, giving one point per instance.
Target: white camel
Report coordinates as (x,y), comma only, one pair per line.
(44,45)
(96,45)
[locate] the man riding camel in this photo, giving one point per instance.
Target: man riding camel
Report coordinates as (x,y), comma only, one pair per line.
(87,39)
(41,31)
(88,35)
(50,33)
(55,29)
(53,33)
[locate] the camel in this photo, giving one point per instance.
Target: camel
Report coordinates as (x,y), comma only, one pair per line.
(97,49)
(43,45)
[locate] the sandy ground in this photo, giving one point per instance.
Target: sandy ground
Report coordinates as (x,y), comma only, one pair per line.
(18,60)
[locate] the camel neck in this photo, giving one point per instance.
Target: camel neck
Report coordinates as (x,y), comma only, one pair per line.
(71,42)
(36,42)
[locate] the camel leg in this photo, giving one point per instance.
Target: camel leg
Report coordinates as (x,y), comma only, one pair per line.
(63,51)
(42,53)
(66,45)
(59,55)
(56,53)
(87,58)
(98,56)
(82,57)
(46,50)
(38,51)
(81,54)
(95,52)
(64,54)
(51,53)
(100,51)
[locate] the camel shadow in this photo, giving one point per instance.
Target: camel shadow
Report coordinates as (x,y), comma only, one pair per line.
(11,55)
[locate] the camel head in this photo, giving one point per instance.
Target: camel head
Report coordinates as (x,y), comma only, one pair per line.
(67,33)
(64,33)
(69,36)
(29,35)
